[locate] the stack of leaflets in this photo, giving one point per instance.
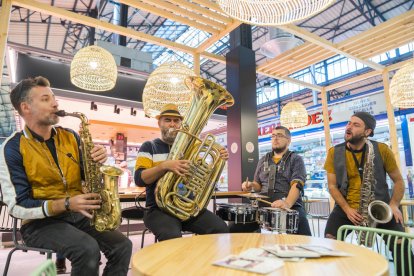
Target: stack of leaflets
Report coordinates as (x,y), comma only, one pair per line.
(270,258)
(251,264)
(303,251)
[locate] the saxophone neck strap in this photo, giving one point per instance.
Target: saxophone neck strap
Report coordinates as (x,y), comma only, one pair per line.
(359,165)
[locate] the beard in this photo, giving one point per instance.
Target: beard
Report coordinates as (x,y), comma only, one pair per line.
(278,150)
(168,136)
(49,121)
(354,139)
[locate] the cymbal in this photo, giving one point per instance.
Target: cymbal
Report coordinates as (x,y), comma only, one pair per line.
(253,195)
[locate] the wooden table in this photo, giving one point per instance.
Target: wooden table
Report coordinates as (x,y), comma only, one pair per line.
(130,194)
(194,256)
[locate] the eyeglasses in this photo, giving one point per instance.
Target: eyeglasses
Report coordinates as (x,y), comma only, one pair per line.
(279,136)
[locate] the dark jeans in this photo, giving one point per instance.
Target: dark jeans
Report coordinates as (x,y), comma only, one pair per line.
(337,218)
(165,226)
(303,227)
(72,236)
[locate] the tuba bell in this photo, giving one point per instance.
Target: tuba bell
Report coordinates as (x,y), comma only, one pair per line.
(206,164)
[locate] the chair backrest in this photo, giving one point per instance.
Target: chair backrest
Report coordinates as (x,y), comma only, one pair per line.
(391,241)
(319,208)
(47,268)
(6,221)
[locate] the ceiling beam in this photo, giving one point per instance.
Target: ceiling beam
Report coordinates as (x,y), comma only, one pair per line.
(191,14)
(368,75)
(166,14)
(206,11)
(313,38)
(295,81)
(214,38)
(92,22)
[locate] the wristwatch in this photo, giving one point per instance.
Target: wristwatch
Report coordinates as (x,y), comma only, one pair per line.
(67,204)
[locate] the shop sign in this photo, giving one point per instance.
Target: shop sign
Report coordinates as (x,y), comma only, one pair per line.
(340,112)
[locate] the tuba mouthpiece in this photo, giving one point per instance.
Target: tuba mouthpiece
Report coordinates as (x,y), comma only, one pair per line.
(61,113)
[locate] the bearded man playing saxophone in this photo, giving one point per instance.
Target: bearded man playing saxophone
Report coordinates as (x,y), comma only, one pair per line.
(40,176)
(346,165)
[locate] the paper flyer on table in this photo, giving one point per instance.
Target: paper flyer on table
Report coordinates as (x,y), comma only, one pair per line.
(256,265)
(303,251)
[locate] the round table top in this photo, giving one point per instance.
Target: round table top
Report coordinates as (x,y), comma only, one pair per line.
(194,256)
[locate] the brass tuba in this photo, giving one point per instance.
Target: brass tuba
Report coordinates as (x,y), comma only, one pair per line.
(99,179)
(206,164)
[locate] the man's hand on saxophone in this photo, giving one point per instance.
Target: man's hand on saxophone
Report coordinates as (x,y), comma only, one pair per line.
(84,203)
(98,153)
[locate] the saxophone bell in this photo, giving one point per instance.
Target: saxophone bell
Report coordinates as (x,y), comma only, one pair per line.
(379,212)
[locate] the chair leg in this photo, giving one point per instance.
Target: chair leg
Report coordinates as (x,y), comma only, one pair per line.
(319,232)
(127,228)
(313,226)
(6,268)
(143,237)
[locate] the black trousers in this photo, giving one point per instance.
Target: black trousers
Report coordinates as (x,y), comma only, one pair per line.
(165,226)
(303,227)
(338,217)
(72,236)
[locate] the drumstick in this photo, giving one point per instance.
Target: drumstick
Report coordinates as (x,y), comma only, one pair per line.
(270,203)
(264,201)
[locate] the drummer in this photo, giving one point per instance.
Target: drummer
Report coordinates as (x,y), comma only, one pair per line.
(280,175)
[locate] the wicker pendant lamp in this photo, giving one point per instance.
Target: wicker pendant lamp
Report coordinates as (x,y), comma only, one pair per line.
(402,87)
(166,85)
(94,69)
(294,115)
(272,12)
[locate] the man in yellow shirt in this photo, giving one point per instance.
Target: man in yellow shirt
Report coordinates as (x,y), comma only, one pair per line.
(348,167)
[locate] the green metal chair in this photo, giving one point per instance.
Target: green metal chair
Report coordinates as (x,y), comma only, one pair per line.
(47,268)
(395,244)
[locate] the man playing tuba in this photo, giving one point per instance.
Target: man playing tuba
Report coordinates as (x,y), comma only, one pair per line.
(152,164)
(41,171)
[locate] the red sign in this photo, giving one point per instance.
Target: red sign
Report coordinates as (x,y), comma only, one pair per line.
(313,119)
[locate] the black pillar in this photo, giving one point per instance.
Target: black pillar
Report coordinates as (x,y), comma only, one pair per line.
(242,141)
(123,23)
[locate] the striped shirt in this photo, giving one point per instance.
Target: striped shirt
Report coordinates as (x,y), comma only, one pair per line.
(151,154)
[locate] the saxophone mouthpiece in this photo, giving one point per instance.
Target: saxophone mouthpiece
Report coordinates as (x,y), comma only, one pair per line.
(172,130)
(61,113)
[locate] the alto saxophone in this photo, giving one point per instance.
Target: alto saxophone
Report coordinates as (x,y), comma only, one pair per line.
(99,179)
(206,164)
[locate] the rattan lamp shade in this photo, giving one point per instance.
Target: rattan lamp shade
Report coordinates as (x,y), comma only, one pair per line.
(402,87)
(93,68)
(166,85)
(272,12)
(294,115)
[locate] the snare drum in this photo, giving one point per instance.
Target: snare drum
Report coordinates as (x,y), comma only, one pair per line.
(279,220)
(237,212)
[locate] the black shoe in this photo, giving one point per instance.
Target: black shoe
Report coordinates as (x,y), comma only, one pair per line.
(60,266)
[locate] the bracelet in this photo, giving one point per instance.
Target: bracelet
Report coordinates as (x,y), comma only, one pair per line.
(67,204)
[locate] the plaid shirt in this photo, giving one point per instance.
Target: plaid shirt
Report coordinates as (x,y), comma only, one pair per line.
(277,178)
